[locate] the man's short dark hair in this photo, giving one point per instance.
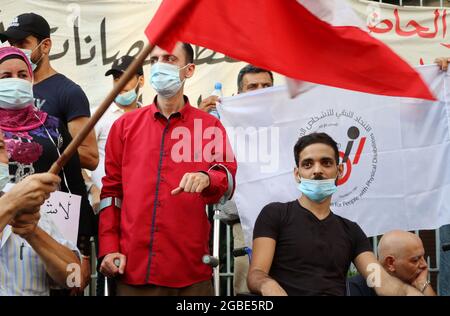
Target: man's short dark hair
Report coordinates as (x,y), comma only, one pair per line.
(189,51)
(315,138)
(39,38)
(250,69)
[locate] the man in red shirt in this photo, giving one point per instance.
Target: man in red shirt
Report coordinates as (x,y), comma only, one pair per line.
(164,163)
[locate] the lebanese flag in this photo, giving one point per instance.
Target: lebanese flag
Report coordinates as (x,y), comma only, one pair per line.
(318,41)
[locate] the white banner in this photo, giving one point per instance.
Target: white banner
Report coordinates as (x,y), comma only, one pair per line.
(418,34)
(88,35)
(396,170)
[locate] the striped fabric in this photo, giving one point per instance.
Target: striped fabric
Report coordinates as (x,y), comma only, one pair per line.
(22,272)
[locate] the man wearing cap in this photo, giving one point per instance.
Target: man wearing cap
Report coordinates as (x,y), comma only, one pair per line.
(53,92)
(126,101)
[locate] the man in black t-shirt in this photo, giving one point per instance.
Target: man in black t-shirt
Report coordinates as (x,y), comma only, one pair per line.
(301,247)
(401,254)
(53,92)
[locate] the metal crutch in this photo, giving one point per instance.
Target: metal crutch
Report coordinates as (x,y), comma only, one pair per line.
(106,290)
(214,260)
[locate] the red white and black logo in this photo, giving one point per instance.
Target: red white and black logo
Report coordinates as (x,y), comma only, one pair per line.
(357,150)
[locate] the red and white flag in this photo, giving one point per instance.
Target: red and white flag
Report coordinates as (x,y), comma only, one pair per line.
(319,41)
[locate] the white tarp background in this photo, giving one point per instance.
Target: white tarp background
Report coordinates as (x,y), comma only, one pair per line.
(396,175)
(89,34)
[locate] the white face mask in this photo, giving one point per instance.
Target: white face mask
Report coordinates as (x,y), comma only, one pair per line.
(4,175)
(127,98)
(317,190)
(165,79)
(29,52)
(15,93)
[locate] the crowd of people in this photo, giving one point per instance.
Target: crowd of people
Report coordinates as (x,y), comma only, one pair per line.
(143,197)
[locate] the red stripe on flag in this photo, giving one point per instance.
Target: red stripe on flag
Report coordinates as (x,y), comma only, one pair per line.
(285,37)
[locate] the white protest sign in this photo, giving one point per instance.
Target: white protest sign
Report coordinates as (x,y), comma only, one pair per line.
(64,210)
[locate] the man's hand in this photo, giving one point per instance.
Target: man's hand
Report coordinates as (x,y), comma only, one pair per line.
(420,284)
(192,182)
(108,266)
(209,103)
(421,279)
(25,224)
(30,193)
(85,276)
(442,62)
(272,288)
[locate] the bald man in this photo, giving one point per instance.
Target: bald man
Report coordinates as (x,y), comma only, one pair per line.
(401,254)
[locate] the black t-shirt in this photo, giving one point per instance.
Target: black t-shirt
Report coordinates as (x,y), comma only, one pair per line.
(62,98)
(312,256)
(357,286)
(32,152)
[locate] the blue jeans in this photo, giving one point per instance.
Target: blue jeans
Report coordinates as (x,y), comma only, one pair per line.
(444,266)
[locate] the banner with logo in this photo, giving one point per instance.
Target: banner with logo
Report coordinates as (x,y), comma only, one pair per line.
(87,37)
(395,152)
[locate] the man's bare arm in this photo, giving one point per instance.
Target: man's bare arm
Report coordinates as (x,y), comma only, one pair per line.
(258,278)
(56,257)
(384,283)
(88,150)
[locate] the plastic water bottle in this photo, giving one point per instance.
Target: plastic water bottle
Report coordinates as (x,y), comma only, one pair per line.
(217,92)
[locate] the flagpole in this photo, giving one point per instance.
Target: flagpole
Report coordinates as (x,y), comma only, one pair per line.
(79,138)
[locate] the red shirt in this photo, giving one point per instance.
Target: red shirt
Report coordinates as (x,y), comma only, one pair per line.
(164,237)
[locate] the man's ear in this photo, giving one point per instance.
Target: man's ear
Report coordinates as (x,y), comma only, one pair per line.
(141,81)
(389,263)
(190,70)
(297,174)
(340,171)
(46,46)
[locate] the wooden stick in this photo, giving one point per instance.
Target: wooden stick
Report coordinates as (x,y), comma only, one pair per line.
(76,142)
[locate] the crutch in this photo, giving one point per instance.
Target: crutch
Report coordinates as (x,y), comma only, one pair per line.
(106,289)
(214,260)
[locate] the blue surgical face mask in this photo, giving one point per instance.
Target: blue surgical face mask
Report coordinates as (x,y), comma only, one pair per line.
(15,93)
(28,53)
(317,190)
(127,98)
(4,175)
(165,79)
